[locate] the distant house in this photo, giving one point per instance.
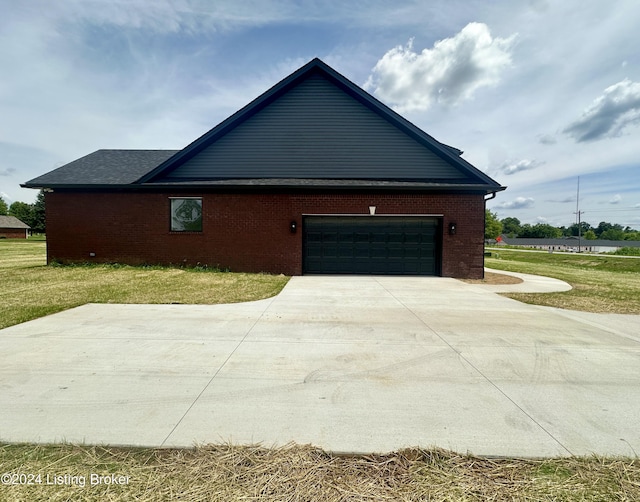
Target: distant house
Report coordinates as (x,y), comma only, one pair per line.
(12,228)
(314,176)
(570,244)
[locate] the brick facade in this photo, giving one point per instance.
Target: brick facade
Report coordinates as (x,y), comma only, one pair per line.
(246,232)
(13,233)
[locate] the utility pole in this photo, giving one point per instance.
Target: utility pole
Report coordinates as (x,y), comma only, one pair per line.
(578,213)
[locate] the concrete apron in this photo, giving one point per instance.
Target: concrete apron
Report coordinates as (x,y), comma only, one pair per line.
(349,364)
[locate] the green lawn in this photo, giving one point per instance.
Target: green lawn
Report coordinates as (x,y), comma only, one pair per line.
(601,283)
(32,289)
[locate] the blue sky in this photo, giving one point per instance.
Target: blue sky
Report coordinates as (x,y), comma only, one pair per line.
(536,93)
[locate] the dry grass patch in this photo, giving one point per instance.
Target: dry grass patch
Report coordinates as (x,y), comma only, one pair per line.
(493,278)
(305,473)
(32,289)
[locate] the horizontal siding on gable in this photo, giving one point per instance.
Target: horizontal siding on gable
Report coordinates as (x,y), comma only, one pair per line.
(316,131)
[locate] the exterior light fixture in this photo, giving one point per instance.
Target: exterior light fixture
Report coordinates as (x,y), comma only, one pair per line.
(293,227)
(453,227)
(372,210)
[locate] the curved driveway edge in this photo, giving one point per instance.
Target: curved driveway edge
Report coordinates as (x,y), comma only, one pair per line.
(530,284)
(347,363)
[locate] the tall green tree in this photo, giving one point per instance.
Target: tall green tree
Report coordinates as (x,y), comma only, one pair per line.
(22,211)
(630,234)
(3,207)
(492,226)
(584,228)
(39,223)
(540,231)
(613,234)
(511,226)
(605,226)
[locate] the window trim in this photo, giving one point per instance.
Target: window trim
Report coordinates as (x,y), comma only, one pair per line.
(174,230)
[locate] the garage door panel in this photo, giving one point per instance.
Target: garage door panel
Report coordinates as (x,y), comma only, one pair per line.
(395,237)
(329,251)
(412,238)
(395,253)
(371,245)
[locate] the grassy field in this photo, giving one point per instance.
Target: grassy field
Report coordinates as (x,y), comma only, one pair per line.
(601,283)
(304,473)
(294,472)
(31,289)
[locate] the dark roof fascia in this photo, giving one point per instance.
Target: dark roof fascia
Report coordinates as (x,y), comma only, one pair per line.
(446,152)
(50,187)
(281,185)
(333,183)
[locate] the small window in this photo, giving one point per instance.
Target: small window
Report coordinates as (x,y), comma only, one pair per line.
(186,214)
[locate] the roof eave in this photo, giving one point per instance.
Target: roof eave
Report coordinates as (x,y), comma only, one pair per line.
(285,185)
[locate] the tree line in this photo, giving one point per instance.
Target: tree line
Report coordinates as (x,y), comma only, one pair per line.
(31,214)
(512,227)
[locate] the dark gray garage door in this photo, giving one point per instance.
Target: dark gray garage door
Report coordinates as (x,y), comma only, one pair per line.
(407,245)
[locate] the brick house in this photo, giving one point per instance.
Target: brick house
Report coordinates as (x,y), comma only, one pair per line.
(12,228)
(313,176)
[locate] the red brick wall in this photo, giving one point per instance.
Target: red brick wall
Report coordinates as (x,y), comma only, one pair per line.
(242,232)
(13,233)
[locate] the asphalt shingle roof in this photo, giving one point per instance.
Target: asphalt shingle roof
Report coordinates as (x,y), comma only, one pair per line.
(104,167)
(12,222)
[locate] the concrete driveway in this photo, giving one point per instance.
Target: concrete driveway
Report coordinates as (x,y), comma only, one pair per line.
(350,364)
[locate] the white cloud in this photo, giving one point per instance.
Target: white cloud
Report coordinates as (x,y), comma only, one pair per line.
(512,167)
(616,199)
(8,171)
(565,200)
(517,203)
(449,73)
(547,139)
(609,114)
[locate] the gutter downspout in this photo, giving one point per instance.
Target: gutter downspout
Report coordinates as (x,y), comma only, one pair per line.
(493,196)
